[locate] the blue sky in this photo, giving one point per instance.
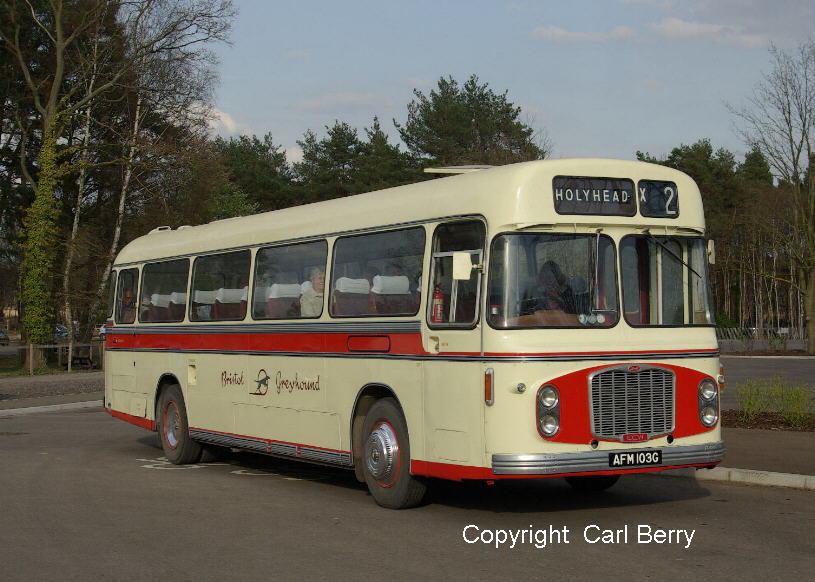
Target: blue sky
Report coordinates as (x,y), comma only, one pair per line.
(600,78)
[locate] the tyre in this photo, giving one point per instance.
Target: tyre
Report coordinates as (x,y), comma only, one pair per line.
(592,482)
(174,430)
(386,457)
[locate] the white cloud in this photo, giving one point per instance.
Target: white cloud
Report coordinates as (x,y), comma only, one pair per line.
(783,21)
(718,33)
(223,124)
(340,102)
(294,154)
(556,34)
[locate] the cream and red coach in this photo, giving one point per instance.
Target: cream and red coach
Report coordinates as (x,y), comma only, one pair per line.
(541,319)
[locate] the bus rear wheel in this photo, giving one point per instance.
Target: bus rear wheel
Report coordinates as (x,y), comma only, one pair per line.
(174,430)
(592,482)
(386,457)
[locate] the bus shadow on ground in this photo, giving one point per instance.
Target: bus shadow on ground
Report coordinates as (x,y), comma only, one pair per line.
(247,462)
(510,496)
(555,494)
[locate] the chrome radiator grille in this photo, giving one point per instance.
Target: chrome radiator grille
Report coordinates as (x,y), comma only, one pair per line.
(627,402)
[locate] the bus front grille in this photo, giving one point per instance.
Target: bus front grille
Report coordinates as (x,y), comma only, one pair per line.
(632,400)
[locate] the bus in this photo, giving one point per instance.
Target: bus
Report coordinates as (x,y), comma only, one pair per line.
(535,320)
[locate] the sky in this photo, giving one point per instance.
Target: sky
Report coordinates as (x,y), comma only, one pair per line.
(598,78)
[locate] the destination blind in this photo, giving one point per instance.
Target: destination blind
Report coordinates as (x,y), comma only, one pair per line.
(658,199)
(596,196)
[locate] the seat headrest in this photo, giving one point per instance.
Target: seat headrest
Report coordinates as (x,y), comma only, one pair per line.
(231,295)
(204,297)
(346,285)
(178,298)
(391,285)
(160,300)
(279,290)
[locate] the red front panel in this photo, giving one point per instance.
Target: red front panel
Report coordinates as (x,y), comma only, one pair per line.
(575,413)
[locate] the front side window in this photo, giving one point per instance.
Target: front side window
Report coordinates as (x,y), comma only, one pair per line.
(377,274)
(164,291)
(552,280)
(220,287)
(126,295)
(289,281)
(111,294)
(453,302)
(665,281)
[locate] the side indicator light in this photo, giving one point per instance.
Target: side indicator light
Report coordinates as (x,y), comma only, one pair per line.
(489,395)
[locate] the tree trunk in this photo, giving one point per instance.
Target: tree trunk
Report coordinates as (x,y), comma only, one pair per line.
(809,303)
(39,248)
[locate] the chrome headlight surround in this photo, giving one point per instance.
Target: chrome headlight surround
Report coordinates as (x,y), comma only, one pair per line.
(547,404)
(708,393)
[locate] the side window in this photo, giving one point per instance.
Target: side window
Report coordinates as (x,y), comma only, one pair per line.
(220,287)
(377,274)
(164,291)
(453,302)
(126,295)
(289,281)
(111,294)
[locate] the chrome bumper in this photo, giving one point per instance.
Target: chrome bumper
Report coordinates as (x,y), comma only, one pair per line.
(565,463)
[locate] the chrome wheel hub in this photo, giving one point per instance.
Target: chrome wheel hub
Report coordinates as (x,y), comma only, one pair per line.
(172,423)
(382,454)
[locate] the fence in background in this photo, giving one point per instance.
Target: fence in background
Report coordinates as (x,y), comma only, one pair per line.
(55,357)
(752,339)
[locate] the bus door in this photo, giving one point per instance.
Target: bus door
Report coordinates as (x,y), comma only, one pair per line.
(453,399)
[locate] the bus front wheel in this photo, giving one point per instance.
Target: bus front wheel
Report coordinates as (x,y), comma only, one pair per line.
(173,429)
(386,457)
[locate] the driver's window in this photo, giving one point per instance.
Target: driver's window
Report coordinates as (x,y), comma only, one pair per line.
(126,296)
(451,302)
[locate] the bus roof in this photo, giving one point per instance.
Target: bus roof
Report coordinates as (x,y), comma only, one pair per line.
(510,197)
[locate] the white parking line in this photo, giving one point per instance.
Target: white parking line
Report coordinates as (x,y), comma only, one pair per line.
(51,408)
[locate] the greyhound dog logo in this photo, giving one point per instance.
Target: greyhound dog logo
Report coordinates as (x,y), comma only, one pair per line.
(262,383)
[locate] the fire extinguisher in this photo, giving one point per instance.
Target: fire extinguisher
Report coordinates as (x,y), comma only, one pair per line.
(437,314)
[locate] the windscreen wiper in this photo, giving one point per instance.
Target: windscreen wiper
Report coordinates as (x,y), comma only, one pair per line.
(655,240)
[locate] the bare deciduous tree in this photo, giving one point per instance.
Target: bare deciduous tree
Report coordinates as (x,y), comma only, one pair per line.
(174,31)
(779,118)
(169,86)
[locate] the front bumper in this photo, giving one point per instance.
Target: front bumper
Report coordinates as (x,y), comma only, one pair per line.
(565,463)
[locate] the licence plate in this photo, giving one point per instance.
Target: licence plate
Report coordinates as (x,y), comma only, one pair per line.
(635,459)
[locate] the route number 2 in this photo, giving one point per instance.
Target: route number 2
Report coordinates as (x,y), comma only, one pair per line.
(658,199)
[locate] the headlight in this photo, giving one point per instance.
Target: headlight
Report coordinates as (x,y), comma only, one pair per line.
(548,411)
(707,389)
(708,402)
(549,425)
(709,416)
(548,397)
